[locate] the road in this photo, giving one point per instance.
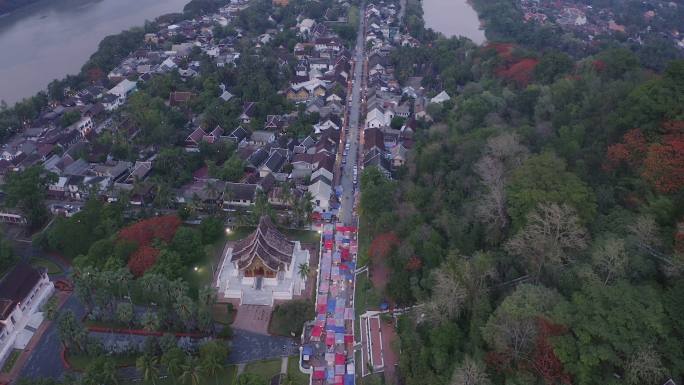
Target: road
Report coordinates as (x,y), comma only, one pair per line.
(347,179)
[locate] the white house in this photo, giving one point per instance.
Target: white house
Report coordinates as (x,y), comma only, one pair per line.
(120,93)
(376,118)
(22,292)
(320,191)
(306,25)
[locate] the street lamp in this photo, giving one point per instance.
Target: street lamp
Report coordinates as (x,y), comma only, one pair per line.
(228,230)
(196,268)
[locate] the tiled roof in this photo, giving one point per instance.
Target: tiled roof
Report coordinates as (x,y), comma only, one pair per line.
(265,243)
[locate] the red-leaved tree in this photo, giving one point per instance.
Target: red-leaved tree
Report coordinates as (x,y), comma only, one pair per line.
(382,245)
(414,263)
(544,360)
(631,151)
(145,231)
(664,163)
(142,260)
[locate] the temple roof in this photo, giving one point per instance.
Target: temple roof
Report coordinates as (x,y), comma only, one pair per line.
(266,243)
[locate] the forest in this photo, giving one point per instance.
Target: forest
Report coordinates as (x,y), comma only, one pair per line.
(538,225)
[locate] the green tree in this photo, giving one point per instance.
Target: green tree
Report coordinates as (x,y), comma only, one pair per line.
(213,356)
(192,371)
(173,360)
(26,190)
(544,179)
(148,366)
(7,257)
(188,244)
(100,372)
(608,325)
(69,118)
(50,308)
(303,269)
(71,332)
(124,312)
(250,379)
(512,328)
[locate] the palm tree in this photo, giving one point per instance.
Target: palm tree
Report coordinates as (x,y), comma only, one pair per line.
(304,270)
(150,321)
(148,366)
(173,360)
(185,310)
(192,372)
(211,366)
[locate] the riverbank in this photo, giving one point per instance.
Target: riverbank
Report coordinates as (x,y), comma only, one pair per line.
(47,39)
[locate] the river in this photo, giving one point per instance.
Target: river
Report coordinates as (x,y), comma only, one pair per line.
(453,18)
(52,38)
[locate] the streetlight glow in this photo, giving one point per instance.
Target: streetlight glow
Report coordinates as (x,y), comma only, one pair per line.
(228,230)
(196,268)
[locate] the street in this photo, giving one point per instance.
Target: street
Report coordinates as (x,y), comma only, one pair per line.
(347,178)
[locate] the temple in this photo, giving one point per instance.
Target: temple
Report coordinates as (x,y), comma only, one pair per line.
(262,268)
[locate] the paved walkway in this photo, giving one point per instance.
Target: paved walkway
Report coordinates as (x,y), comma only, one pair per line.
(253,318)
(283,365)
(248,347)
(44,357)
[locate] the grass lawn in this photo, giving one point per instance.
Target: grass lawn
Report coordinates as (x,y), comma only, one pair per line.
(266,369)
(51,267)
(361,300)
(294,372)
(303,236)
(11,359)
(364,242)
(81,362)
(204,274)
(237,233)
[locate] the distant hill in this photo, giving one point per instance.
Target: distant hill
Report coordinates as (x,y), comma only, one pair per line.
(7,6)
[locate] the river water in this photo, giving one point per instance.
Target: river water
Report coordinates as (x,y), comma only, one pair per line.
(453,18)
(52,38)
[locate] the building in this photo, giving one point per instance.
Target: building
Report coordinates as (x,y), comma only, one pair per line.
(22,292)
(262,268)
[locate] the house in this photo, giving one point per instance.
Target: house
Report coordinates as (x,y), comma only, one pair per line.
(306,25)
(256,159)
(376,118)
(121,92)
(321,190)
(440,97)
(248,110)
(238,135)
(398,154)
(179,98)
(225,95)
(23,291)
(274,123)
(273,164)
(307,90)
(374,141)
(262,138)
(380,161)
(195,138)
(239,194)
